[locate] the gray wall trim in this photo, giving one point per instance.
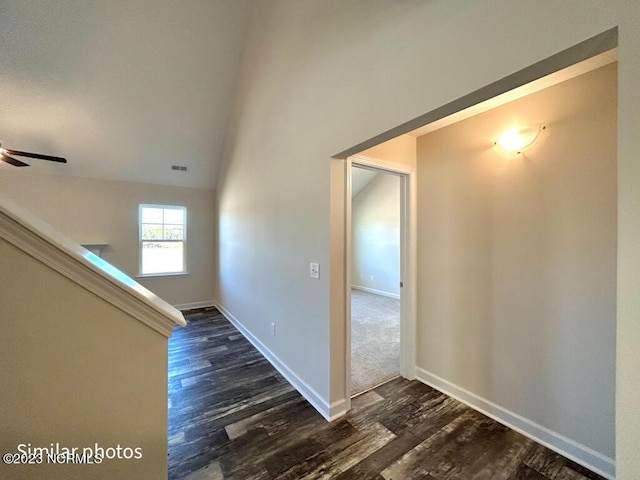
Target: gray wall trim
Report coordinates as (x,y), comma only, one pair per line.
(591,47)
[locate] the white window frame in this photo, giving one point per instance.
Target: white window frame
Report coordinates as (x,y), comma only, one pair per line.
(141,241)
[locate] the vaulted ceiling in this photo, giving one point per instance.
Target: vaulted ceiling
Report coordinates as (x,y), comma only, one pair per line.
(123,89)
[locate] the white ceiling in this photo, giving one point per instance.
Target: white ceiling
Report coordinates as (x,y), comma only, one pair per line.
(123,89)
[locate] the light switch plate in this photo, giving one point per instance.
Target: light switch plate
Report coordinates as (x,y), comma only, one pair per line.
(314,270)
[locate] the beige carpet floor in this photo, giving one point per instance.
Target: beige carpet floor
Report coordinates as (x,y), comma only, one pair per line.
(375,340)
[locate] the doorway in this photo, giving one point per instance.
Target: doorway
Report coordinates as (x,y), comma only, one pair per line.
(378,300)
(375,276)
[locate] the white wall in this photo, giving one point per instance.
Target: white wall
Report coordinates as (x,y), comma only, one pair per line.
(279,194)
(628,320)
(77,371)
(517,259)
(106,211)
(376,235)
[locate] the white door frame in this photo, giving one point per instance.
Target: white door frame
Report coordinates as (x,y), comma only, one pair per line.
(408,260)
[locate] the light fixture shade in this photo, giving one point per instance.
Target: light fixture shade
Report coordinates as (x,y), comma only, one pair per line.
(516,140)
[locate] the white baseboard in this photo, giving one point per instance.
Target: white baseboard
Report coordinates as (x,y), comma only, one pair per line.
(376,292)
(566,447)
(337,409)
(329,411)
(191,306)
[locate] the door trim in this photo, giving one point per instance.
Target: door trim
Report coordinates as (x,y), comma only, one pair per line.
(408,260)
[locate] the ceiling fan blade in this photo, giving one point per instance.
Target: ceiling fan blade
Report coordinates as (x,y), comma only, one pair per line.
(36,155)
(13,161)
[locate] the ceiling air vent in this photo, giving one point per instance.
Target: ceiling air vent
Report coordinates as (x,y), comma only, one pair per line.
(180,168)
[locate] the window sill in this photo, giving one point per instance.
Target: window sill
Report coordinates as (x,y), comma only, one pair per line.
(160,275)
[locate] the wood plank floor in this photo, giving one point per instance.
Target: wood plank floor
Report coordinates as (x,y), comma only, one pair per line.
(233,416)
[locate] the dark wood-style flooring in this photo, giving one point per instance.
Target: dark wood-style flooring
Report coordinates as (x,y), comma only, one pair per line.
(233,416)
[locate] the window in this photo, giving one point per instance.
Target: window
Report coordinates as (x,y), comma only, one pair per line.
(163,235)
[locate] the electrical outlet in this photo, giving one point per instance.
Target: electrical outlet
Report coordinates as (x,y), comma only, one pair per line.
(314,270)
(273,329)
(361,276)
(372,278)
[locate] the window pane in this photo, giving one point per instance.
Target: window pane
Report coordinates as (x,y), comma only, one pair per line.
(162,232)
(151,232)
(173,232)
(162,257)
(151,215)
(174,216)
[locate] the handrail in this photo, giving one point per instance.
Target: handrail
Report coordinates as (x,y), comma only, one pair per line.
(41,241)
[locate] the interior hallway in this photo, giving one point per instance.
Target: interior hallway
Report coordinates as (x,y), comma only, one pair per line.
(232,416)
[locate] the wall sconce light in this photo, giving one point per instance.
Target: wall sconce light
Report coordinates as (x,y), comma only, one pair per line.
(516,140)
